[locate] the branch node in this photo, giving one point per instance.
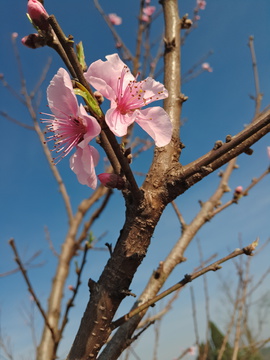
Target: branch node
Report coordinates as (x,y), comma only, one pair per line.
(128,292)
(188,278)
(169,45)
(183,97)
(185,22)
(109,246)
(205,170)
(228,138)
(218,144)
(248,151)
(92,285)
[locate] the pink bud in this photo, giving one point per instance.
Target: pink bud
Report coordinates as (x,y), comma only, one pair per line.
(201,4)
(145,18)
(38,14)
(33,41)
(115,19)
(118,45)
(112,181)
(207,67)
(238,189)
(14,35)
(149,10)
(71,288)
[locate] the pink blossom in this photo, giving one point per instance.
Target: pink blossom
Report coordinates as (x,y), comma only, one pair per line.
(149,10)
(192,350)
(147,1)
(207,67)
(145,18)
(38,14)
(115,82)
(112,181)
(201,4)
(268,151)
(115,19)
(14,35)
(72,128)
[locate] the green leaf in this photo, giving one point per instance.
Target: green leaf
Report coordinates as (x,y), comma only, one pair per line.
(80,55)
(90,100)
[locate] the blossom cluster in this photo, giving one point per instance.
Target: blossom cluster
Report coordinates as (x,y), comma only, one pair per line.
(73,128)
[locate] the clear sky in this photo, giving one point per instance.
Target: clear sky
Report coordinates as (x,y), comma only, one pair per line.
(219,104)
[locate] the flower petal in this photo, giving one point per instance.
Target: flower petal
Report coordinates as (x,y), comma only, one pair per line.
(60,95)
(104,75)
(156,122)
(153,90)
(93,127)
(83,163)
(117,122)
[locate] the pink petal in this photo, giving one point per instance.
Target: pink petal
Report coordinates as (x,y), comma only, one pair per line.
(154,90)
(93,127)
(156,122)
(115,19)
(149,10)
(117,122)
(83,163)
(104,75)
(60,95)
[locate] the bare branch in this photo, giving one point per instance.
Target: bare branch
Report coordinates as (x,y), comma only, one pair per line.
(30,288)
(248,250)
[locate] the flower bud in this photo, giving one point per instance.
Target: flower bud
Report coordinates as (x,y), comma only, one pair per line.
(268,151)
(238,189)
(33,41)
(112,181)
(115,19)
(238,193)
(207,67)
(38,14)
(99,97)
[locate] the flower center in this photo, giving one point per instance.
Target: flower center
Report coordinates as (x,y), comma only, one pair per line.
(131,96)
(68,132)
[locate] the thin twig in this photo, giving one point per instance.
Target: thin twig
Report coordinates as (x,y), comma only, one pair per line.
(30,288)
(188,278)
(259,95)
(127,54)
(179,215)
(94,216)
(49,240)
(70,302)
(254,182)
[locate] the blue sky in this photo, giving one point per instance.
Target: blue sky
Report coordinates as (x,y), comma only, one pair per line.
(219,104)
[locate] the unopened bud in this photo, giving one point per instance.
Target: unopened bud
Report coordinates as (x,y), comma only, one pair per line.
(238,193)
(238,189)
(99,97)
(112,181)
(38,14)
(33,41)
